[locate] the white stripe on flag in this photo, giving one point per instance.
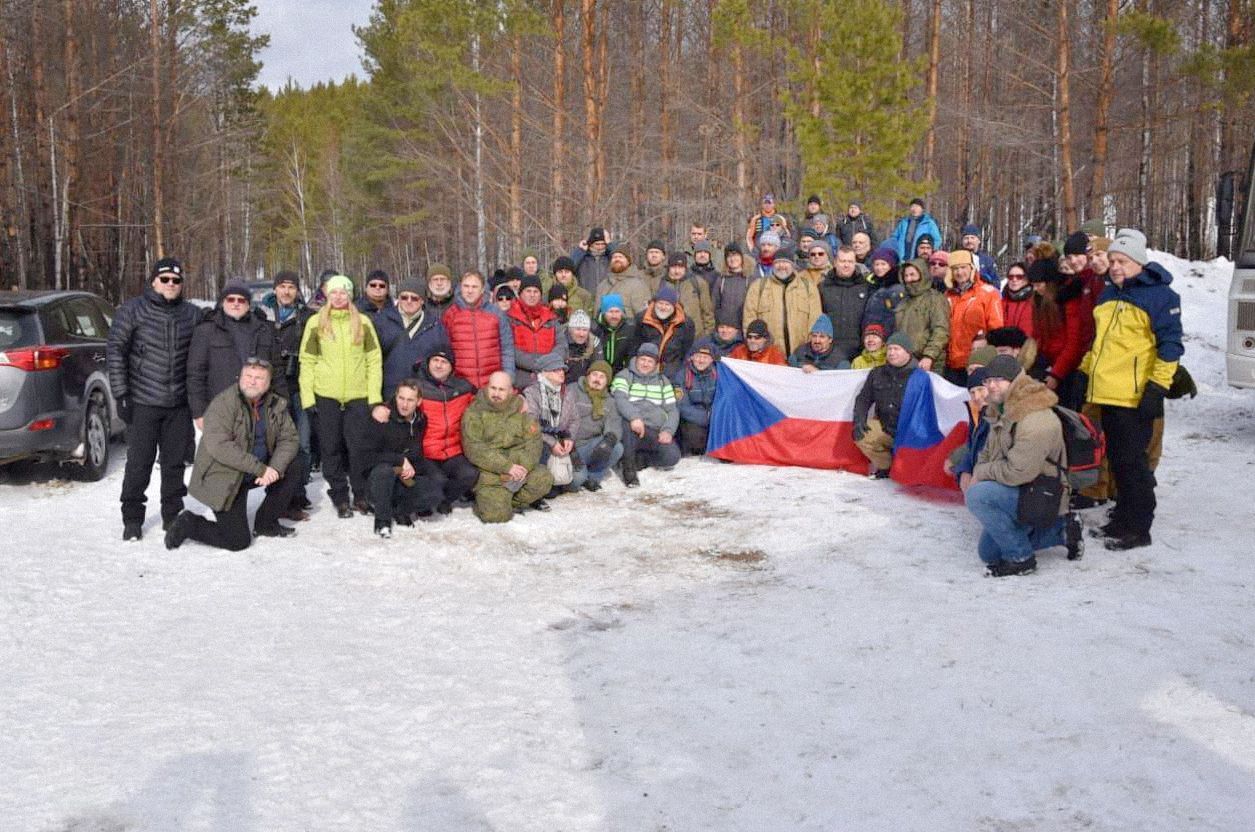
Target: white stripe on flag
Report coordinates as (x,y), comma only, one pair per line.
(824,396)
(951,403)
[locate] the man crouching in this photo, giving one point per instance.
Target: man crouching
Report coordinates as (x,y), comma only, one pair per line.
(402,483)
(1025,442)
(503,441)
(249,441)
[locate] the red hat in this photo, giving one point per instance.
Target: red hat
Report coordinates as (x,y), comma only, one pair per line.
(874,329)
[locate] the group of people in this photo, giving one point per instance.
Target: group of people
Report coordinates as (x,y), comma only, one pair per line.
(417,397)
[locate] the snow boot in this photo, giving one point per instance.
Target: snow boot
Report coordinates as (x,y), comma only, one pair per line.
(177,533)
(1131,540)
(1072,537)
(132,531)
(1007,568)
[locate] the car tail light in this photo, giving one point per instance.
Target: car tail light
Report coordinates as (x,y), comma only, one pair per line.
(42,424)
(31,359)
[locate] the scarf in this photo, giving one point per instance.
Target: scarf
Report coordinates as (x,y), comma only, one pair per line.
(550,403)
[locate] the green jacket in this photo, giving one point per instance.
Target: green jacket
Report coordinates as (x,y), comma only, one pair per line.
(497,436)
(577,297)
(924,315)
(336,368)
(225,455)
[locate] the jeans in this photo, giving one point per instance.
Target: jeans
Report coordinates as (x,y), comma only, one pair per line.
(584,450)
(1002,538)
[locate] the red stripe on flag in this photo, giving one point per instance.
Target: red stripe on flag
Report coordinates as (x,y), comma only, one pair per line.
(924,466)
(807,443)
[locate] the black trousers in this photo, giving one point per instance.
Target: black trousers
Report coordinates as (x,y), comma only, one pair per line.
(1128,438)
(693,438)
(340,428)
(229,530)
(170,430)
(646,451)
(390,497)
(460,478)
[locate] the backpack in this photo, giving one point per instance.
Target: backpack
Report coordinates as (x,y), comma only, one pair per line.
(1085,446)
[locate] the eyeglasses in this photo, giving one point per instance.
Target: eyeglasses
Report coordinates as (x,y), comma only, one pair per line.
(1017,276)
(257,361)
(409,297)
(376,285)
(166,278)
(234,299)
(818,254)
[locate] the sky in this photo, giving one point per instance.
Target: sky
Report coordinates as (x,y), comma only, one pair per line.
(310,40)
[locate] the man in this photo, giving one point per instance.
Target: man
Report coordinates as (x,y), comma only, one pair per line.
(402,482)
(856,222)
(695,388)
(844,296)
(377,297)
(597,425)
(963,458)
(147,360)
(762,222)
(975,308)
(1130,368)
(592,264)
(666,324)
(885,387)
(817,266)
(765,255)
(759,346)
(537,332)
(861,242)
(819,352)
(1025,441)
(923,314)
(701,263)
(221,343)
(577,297)
(288,314)
(503,441)
(439,295)
(444,398)
(582,346)
(693,294)
(551,402)
(646,402)
(408,333)
(970,240)
(917,223)
(625,281)
(727,335)
(250,442)
(655,264)
(698,235)
(786,302)
(727,294)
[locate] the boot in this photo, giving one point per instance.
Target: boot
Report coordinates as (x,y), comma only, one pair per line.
(1007,568)
(1073,538)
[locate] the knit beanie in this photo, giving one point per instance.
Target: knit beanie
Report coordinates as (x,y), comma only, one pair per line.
(556,291)
(1131,243)
(339,282)
(902,340)
(601,366)
(822,326)
(439,268)
(579,320)
(758,327)
(970,228)
(612,301)
(562,263)
(412,284)
(667,294)
(648,348)
(1100,244)
(874,329)
(982,356)
(234,287)
(287,277)
(528,281)
(1077,243)
(677,258)
(596,234)
(977,377)
(769,238)
(167,265)
(1004,367)
(884,253)
(727,316)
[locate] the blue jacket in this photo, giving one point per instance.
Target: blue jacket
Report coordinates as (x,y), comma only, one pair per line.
(401,350)
(965,457)
(925,225)
(697,393)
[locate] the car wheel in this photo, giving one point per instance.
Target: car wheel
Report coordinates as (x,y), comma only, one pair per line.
(95,440)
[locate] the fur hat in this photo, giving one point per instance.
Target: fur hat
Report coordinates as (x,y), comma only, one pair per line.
(562,263)
(1007,336)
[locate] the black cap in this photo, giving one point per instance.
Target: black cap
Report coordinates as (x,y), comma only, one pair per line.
(561,263)
(287,277)
(597,234)
(1003,366)
(678,258)
(167,265)
(1077,243)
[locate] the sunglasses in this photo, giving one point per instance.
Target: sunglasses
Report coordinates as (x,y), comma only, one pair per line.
(257,361)
(234,299)
(374,285)
(818,254)
(166,278)
(408,297)
(755,337)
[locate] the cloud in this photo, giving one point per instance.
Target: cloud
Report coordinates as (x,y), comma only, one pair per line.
(310,40)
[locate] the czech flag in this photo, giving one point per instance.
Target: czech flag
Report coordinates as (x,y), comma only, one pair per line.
(771,415)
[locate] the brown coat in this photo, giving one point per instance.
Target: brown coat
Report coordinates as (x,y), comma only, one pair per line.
(1025,438)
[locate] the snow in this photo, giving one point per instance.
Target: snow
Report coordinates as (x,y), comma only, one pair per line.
(727,648)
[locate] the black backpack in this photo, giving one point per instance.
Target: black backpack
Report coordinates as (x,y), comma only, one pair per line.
(1085,445)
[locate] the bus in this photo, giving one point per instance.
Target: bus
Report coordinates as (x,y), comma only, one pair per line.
(1240,351)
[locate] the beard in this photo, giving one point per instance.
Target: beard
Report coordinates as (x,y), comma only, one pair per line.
(619,268)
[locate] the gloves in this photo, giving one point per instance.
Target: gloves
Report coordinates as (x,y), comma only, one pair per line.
(124,409)
(1151,405)
(860,430)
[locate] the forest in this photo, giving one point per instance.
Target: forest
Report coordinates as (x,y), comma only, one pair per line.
(135,129)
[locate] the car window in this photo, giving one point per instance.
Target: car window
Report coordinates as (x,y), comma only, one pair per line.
(106,311)
(57,326)
(18,328)
(85,319)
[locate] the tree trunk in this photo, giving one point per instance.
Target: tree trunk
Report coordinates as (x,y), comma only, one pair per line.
(21,224)
(558,151)
(934,60)
(739,123)
(1065,118)
(71,132)
(666,139)
(516,144)
(158,136)
(592,110)
(481,221)
(1103,109)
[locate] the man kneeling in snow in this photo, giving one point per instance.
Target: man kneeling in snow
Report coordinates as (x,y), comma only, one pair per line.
(249,440)
(1025,441)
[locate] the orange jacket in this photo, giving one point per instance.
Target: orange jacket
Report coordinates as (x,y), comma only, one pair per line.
(972,313)
(770,354)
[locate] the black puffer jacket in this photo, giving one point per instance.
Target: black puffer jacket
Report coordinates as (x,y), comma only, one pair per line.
(288,339)
(147,350)
(393,442)
(215,357)
(845,303)
(885,387)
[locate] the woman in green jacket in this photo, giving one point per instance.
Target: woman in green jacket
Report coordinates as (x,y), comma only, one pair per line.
(341,378)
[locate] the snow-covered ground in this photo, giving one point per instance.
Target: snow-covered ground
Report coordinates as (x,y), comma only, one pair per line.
(728,648)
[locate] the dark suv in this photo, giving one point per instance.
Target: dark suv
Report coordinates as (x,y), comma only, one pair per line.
(54,386)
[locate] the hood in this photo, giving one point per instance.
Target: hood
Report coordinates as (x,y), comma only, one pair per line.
(1153,274)
(920,286)
(1027,395)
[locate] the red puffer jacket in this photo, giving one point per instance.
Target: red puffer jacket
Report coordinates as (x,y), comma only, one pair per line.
(535,328)
(481,341)
(1064,348)
(1017,310)
(443,404)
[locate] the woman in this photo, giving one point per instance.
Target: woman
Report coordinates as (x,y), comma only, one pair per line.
(479,333)
(1064,329)
(1017,300)
(341,376)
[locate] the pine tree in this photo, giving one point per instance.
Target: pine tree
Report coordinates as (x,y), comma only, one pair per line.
(860,145)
